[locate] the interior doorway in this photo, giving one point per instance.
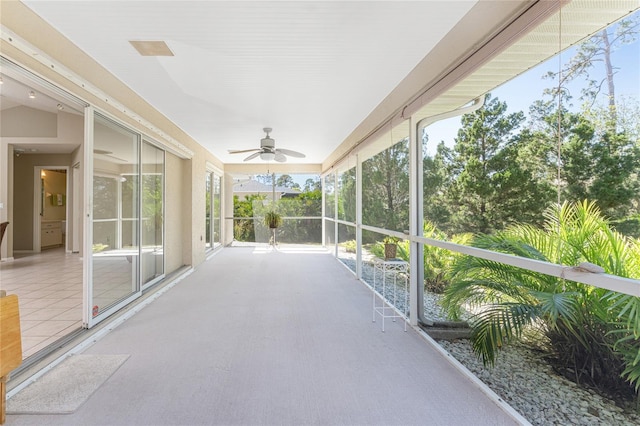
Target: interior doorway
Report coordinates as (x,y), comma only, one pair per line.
(51,209)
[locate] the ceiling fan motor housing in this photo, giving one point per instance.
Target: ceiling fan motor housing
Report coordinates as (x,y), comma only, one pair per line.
(268,143)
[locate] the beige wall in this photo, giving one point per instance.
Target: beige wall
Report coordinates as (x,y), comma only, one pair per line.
(174,213)
(22,121)
(6,194)
(28,126)
(188,233)
(198,209)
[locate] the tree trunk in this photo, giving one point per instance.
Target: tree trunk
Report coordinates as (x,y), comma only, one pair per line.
(391,219)
(609,70)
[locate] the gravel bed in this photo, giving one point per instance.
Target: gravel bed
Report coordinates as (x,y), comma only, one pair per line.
(520,377)
(531,387)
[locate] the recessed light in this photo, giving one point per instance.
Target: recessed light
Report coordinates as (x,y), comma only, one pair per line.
(151,48)
(32,94)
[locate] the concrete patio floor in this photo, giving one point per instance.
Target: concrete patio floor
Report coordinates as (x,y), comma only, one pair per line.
(256,336)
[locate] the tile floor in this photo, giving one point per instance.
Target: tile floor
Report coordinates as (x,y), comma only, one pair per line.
(49,289)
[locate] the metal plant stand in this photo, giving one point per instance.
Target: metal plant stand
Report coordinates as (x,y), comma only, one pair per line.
(397,270)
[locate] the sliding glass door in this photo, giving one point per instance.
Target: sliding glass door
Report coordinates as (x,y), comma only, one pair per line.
(116,212)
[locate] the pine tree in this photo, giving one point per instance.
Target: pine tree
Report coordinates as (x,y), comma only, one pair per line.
(491,187)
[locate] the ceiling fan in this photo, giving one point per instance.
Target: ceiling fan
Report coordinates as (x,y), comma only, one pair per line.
(268,150)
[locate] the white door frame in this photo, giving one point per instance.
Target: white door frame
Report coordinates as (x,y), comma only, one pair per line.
(76,212)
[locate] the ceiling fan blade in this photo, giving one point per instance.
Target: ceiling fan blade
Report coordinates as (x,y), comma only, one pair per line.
(252,156)
(280,157)
(117,158)
(106,153)
(231,151)
(290,153)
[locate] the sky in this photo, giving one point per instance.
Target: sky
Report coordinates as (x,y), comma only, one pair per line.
(530,86)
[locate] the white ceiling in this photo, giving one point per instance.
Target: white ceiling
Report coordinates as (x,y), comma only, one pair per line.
(311,70)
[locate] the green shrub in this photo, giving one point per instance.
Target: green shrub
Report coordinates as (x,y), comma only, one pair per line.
(438,261)
(349,246)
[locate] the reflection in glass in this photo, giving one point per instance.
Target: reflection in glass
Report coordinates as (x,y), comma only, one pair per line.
(347,195)
(217,210)
(330,234)
(385,196)
(208,210)
(300,231)
(347,245)
(329,195)
(152,212)
(115,214)
(105,193)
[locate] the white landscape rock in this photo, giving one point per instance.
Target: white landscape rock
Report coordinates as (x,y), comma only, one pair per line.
(532,388)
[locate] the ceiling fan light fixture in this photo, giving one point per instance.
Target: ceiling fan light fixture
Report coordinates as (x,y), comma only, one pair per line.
(268,151)
(267,156)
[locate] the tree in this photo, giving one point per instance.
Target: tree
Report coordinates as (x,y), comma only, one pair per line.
(347,195)
(596,162)
(436,179)
(312,185)
(491,188)
(286,181)
(615,186)
(266,179)
(243,229)
(597,49)
(385,196)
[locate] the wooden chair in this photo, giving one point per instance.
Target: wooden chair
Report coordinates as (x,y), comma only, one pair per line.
(11,348)
(3,228)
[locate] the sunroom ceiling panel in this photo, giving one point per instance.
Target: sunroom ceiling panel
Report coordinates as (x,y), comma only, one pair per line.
(311,70)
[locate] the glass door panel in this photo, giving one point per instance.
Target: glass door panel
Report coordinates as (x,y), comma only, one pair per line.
(208,212)
(217,213)
(116,248)
(152,213)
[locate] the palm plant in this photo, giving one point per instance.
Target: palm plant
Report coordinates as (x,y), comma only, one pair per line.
(592,331)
